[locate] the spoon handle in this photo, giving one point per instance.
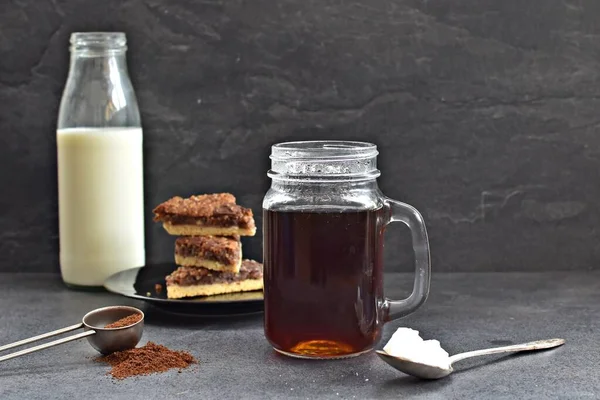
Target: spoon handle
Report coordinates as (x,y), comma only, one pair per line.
(42,336)
(46,345)
(538,345)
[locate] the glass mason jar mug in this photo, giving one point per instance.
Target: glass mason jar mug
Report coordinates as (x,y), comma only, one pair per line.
(324,219)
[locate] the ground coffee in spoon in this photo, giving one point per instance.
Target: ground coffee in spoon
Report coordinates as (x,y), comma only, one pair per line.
(149,359)
(123,322)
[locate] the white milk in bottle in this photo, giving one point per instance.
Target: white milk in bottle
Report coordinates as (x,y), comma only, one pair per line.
(100,173)
(101,199)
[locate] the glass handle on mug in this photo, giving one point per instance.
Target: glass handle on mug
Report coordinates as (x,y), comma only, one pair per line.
(398,211)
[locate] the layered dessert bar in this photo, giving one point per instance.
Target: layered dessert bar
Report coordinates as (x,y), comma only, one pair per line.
(219,253)
(194,281)
(208,214)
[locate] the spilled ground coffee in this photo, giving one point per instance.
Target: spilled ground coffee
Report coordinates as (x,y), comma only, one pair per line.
(149,359)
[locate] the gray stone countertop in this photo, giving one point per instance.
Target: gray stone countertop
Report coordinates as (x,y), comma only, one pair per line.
(465,312)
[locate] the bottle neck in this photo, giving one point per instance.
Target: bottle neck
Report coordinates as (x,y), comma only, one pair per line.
(98,92)
(104,62)
(103,52)
(98,44)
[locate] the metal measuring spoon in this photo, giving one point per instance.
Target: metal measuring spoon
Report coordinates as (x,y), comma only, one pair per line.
(105,340)
(426,371)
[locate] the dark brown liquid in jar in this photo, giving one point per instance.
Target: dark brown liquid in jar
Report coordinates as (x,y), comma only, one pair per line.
(323,281)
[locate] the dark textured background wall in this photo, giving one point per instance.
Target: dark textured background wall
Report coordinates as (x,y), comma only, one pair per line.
(487,113)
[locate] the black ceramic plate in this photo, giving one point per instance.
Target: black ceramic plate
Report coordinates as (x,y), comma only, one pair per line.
(140,283)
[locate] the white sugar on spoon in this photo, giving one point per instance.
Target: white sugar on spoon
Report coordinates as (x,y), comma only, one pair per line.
(408,352)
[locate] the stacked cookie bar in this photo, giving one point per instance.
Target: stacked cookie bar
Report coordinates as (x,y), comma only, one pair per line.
(208,251)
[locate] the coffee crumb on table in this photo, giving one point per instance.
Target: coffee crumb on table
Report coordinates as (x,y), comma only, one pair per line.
(149,359)
(123,322)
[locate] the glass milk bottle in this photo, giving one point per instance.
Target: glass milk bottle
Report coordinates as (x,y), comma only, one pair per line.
(100,176)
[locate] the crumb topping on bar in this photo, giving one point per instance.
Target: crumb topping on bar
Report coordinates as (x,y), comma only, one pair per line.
(217,209)
(187,276)
(226,250)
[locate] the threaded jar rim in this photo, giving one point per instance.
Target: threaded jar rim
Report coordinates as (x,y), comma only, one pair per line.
(324,160)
